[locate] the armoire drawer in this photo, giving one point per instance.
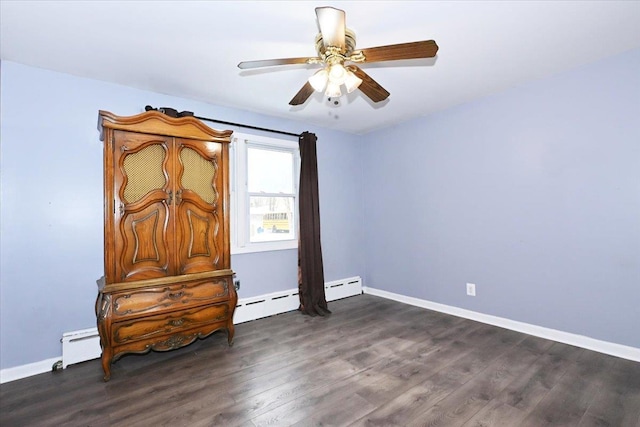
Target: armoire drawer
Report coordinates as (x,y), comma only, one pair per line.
(152,326)
(146,301)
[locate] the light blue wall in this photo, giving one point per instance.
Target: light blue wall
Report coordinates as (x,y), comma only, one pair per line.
(51,218)
(532,194)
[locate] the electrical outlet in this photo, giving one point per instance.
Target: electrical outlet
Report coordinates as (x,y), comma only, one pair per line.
(471,289)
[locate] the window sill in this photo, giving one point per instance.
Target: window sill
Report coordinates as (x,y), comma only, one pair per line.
(265,247)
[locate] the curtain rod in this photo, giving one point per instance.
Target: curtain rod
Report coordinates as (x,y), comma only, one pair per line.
(249,126)
(174,113)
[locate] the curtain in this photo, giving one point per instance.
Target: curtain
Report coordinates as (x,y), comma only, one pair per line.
(310,269)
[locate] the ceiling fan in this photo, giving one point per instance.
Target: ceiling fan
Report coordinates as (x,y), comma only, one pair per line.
(336,48)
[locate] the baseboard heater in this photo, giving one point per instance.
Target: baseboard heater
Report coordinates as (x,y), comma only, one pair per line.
(80,346)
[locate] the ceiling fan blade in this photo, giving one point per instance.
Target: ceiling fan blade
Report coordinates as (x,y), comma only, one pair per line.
(370,87)
(273,62)
(302,95)
(331,23)
(413,50)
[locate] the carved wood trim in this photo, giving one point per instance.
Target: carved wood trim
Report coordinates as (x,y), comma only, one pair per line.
(136,284)
(154,122)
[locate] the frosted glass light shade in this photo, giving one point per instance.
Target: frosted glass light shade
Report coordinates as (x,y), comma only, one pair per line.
(337,74)
(352,82)
(333,90)
(319,80)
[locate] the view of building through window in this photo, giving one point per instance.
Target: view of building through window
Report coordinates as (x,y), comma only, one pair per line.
(271,218)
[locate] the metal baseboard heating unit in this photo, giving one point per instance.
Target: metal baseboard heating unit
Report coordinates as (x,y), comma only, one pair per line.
(344,288)
(83,345)
(79,346)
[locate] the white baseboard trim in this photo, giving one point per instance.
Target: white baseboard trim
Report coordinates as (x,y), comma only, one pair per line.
(613,349)
(30,369)
(83,345)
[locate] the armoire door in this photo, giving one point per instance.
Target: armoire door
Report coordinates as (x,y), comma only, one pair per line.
(143,197)
(199,207)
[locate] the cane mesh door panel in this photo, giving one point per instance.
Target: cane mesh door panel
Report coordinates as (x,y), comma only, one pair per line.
(199,175)
(144,172)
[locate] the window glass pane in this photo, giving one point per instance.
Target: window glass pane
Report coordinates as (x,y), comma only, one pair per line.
(271,218)
(269,171)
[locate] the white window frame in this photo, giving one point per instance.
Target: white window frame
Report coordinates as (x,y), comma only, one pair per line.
(239,215)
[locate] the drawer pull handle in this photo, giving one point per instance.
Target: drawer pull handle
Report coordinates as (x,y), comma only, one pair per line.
(177,295)
(178,322)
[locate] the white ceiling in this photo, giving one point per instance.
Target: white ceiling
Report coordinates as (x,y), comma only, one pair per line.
(191,49)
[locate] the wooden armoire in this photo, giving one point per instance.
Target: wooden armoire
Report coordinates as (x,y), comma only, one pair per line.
(167,272)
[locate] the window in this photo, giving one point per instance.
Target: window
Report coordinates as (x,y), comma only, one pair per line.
(264,193)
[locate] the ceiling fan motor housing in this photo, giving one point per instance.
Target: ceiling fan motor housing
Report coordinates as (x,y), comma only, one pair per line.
(347,50)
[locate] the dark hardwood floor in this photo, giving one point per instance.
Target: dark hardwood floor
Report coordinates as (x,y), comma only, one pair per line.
(373,362)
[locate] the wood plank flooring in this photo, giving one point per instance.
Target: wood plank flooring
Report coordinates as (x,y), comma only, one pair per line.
(373,362)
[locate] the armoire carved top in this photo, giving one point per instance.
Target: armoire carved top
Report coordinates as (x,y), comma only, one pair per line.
(155,122)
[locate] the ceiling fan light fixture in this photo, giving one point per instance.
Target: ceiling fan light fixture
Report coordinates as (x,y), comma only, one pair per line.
(336,44)
(352,81)
(333,90)
(319,80)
